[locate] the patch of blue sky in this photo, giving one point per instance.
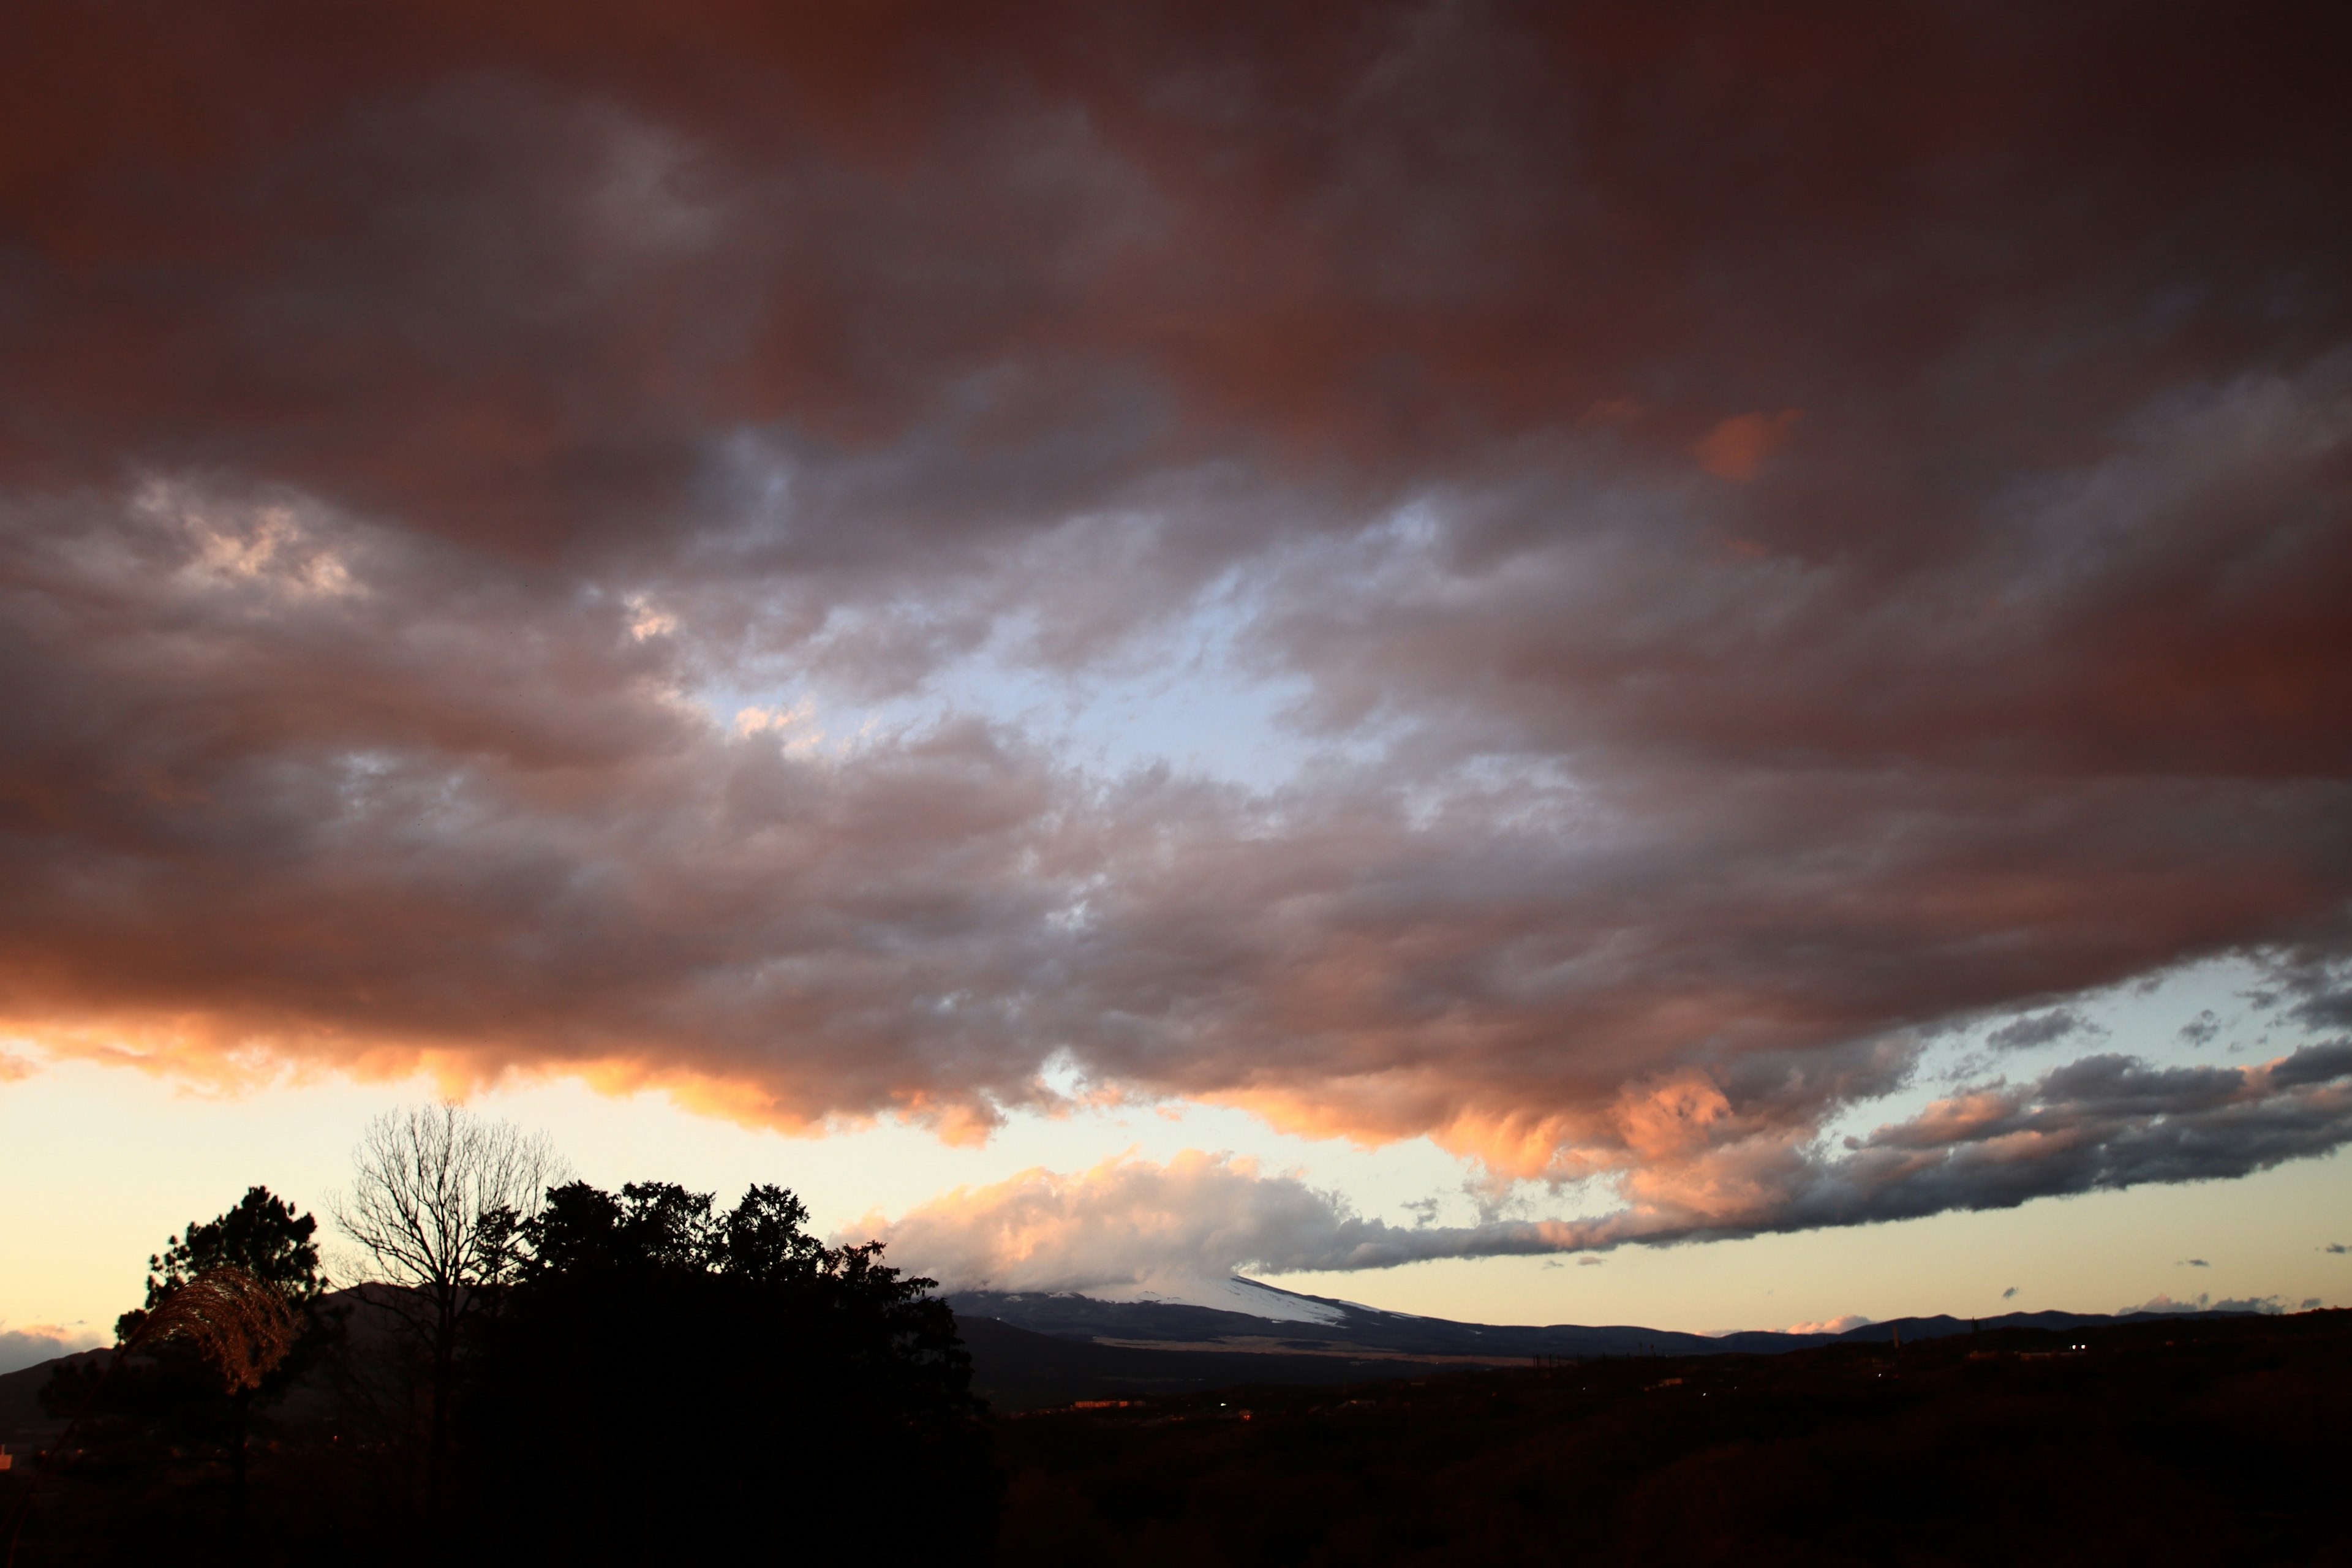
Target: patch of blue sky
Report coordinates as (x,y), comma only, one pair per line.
(1185,699)
(2203,1013)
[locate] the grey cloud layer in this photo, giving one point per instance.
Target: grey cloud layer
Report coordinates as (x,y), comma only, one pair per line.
(1772,572)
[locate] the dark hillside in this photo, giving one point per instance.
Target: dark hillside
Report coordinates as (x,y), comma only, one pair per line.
(2169,1441)
(23,1420)
(1015,1369)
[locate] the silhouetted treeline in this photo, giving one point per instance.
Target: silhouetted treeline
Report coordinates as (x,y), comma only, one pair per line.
(653,1381)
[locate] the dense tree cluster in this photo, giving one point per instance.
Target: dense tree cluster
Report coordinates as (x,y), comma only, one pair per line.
(667,1382)
(532,1373)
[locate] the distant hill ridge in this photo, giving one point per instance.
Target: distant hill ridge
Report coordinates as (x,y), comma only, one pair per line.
(1032,1349)
(1265,1320)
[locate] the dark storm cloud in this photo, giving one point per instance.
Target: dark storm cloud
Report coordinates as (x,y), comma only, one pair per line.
(2328,1008)
(1797,528)
(2036,1029)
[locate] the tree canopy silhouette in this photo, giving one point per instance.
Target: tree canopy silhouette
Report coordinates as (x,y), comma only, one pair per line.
(668,1383)
(263,1237)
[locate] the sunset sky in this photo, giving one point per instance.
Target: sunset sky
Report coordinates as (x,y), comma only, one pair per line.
(1615,663)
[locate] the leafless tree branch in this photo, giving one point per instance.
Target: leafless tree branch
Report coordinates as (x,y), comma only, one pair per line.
(435,1195)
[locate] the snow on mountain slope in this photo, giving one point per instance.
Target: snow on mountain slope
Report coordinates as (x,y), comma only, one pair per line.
(1227,1295)
(1198,1314)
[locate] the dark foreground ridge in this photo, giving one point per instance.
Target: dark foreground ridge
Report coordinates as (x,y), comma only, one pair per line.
(2127,1440)
(2209,1439)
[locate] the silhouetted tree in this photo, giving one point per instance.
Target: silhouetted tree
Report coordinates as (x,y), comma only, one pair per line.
(265,1240)
(435,1198)
(263,1236)
(666,1383)
(186,1378)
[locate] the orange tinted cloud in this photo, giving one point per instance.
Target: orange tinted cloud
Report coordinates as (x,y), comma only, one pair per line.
(1737,448)
(440,502)
(2104,1123)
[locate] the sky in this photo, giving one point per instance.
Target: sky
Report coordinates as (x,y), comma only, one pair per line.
(1681,665)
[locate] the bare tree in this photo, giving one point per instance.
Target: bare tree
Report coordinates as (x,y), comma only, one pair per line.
(436,1197)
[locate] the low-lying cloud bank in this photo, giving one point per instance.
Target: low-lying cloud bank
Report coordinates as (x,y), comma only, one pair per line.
(38,1342)
(2107,1122)
(2205,1302)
